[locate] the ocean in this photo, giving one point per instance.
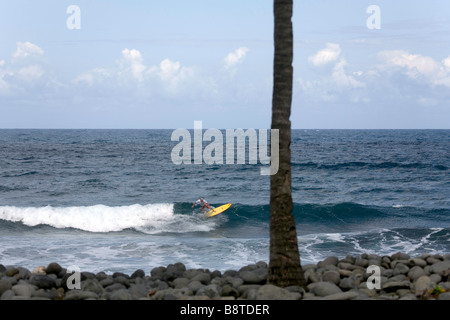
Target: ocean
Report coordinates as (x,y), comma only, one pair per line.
(114,201)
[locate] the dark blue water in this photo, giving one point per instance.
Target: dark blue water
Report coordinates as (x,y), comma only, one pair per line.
(113,200)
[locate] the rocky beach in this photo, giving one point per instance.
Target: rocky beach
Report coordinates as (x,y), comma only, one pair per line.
(365,277)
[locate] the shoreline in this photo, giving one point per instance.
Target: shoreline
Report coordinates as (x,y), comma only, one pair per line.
(363,277)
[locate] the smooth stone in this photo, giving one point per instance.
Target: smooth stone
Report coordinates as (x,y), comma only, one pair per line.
(101,276)
(400,256)
(246,287)
(11,271)
(417,262)
(297,289)
(415,273)
(347,283)
(345,273)
(25,290)
(395,262)
(328,261)
(174,271)
(114,287)
(349,295)
(441,268)
(393,286)
(138,274)
(397,278)
(323,288)
(211,290)
(122,280)
(107,281)
(92,285)
(157,272)
(271,292)
(362,262)
(311,275)
(7,295)
(444,296)
(422,285)
(345,265)
(179,283)
(195,285)
(256,276)
(171,294)
(432,260)
(331,276)
(39,270)
(121,294)
(400,268)
(138,291)
(80,295)
(89,275)
(436,278)
(228,291)
(4,285)
(203,277)
(24,273)
(235,282)
(43,281)
(53,268)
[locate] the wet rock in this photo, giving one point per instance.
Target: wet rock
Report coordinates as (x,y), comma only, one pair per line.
(43,281)
(323,289)
(331,276)
(53,268)
(271,292)
(328,261)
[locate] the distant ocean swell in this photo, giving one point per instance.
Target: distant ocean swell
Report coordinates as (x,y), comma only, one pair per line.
(368,165)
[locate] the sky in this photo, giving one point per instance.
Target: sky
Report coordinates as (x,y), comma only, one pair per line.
(164,64)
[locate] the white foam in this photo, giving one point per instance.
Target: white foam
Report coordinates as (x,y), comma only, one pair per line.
(150,218)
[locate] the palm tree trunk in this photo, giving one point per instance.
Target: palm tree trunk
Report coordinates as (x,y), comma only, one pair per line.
(284,264)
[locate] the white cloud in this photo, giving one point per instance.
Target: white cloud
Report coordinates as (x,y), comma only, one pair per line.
(329,54)
(23,70)
(167,77)
(342,79)
(169,69)
(233,58)
(26,49)
(446,63)
(330,87)
(94,76)
(174,76)
(419,67)
(30,73)
(133,60)
(4,86)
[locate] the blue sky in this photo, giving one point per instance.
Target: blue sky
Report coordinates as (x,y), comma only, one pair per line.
(165,64)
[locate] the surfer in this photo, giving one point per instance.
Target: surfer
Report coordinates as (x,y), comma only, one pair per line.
(203,204)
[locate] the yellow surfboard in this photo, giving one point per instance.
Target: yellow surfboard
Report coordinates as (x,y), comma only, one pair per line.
(216,211)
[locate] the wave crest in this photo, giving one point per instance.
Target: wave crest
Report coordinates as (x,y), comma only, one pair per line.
(150,218)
